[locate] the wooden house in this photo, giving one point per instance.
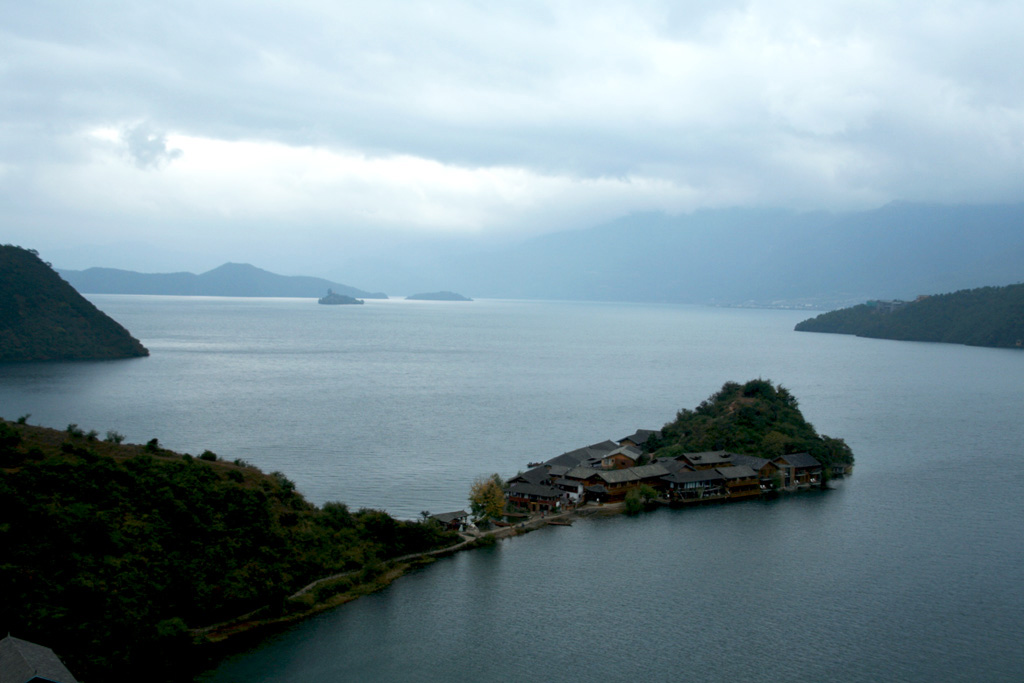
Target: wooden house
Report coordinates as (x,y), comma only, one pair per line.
(453,521)
(534,497)
(740,481)
(617,483)
(799,469)
(638,439)
(588,455)
(694,485)
(620,458)
(765,468)
(572,490)
(536,475)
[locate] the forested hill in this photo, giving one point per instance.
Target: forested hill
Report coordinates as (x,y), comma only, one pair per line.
(757,418)
(42,317)
(988,316)
(110,552)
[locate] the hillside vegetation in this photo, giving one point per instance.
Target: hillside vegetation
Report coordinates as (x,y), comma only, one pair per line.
(42,317)
(756,418)
(988,316)
(110,553)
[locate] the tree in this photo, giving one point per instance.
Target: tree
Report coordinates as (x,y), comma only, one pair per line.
(487,497)
(639,498)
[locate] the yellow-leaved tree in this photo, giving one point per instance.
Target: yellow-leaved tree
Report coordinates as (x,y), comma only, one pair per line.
(487,497)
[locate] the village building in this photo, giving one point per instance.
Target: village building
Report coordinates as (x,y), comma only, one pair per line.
(840,469)
(22,661)
(707,460)
(607,472)
(537,475)
(572,490)
(453,521)
(765,468)
(613,485)
(673,465)
(621,458)
(799,469)
(588,454)
(639,438)
(693,485)
(740,481)
(557,471)
(534,497)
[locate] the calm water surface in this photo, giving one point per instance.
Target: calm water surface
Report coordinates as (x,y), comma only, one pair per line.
(910,570)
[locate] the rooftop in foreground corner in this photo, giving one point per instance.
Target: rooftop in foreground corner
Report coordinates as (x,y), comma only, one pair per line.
(24,662)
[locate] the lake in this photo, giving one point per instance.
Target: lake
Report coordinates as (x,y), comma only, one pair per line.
(909,570)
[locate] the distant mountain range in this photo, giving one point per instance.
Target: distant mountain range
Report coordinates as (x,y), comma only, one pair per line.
(44,318)
(731,257)
(758,257)
(230,279)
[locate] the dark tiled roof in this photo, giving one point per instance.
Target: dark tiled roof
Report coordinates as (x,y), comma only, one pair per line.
(640,436)
(537,475)
(739,472)
(629,451)
(713,458)
(534,490)
(22,661)
(751,461)
(582,472)
(447,517)
(673,465)
(593,451)
(563,460)
(799,460)
(633,473)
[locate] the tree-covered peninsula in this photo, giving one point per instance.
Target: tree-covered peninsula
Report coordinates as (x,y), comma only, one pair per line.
(988,316)
(117,555)
(42,317)
(757,418)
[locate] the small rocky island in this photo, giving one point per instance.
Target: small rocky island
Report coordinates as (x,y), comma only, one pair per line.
(42,317)
(335,299)
(437,296)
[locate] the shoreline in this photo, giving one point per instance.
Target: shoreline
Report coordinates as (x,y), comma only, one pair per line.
(219,640)
(298,606)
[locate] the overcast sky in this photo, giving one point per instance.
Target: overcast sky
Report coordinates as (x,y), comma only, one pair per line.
(221,130)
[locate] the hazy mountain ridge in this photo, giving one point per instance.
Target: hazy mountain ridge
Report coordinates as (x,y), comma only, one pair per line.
(755,257)
(230,279)
(43,318)
(760,257)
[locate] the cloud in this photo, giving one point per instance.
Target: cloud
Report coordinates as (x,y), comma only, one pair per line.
(459,118)
(146,147)
(311,188)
